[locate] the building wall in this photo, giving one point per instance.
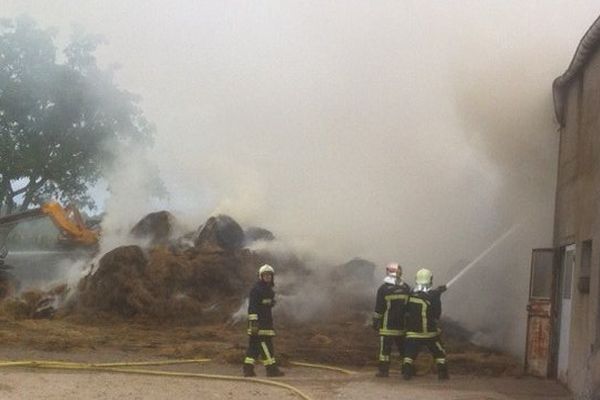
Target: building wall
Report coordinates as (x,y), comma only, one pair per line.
(578,219)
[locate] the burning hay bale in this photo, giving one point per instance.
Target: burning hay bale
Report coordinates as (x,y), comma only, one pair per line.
(354,284)
(157,226)
(358,270)
(171,282)
(221,232)
(35,303)
(117,283)
(161,284)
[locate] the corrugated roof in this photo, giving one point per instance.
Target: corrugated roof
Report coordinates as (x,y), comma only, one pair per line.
(586,48)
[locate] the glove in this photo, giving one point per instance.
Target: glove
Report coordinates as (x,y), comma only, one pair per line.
(376,324)
(442,288)
(253,328)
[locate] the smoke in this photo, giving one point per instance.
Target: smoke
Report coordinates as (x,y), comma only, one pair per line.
(408,131)
(505,108)
(134,190)
(416,132)
(418,139)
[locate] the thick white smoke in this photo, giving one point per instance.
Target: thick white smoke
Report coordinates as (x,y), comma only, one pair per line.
(409,131)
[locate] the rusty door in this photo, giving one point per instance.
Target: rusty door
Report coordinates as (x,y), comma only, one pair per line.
(537,350)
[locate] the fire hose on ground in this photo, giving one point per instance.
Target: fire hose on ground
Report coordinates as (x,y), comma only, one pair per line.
(321,366)
(123,367)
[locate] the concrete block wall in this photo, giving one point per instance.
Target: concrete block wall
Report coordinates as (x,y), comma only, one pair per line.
(577,220)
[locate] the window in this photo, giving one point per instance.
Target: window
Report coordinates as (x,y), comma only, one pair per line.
(541,279)
(583,285)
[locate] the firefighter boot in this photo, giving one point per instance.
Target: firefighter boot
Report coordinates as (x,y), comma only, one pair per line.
(407,371)
(384,370)
(273,371)
(249,370)
(442,372)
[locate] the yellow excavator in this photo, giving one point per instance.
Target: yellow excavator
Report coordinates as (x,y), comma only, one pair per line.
(68,220)
(73,234)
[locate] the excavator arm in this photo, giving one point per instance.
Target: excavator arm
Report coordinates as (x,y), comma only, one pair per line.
(70,223)
(68,220)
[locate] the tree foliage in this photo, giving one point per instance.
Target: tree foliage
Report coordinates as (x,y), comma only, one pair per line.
(60,116)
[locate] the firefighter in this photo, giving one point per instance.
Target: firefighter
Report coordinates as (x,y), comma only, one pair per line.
(260,324)
(424,311)
(388,319)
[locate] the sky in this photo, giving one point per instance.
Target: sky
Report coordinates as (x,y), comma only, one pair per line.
(415,131)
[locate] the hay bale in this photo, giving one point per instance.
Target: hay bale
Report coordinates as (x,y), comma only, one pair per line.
(352,287)
(15,308)
(221,231)
(255,233)
(359,270)
(24,306)
(162,285)
(117,284)
(157,226)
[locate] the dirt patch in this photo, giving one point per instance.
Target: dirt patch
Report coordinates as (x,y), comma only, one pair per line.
(349,344)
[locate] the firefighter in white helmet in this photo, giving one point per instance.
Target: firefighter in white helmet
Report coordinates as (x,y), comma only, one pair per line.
(389,315)
(424,311)
(260,324)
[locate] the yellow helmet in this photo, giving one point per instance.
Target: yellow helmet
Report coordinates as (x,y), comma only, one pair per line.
(424,277)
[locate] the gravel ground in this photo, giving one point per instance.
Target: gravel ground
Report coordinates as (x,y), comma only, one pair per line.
(318,384)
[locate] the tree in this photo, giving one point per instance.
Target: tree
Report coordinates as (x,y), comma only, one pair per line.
(60,116)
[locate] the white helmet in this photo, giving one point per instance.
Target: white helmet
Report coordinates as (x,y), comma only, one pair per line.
(265,269)
(393,269)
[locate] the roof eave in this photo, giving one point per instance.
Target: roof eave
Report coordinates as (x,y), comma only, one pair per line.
(586,48)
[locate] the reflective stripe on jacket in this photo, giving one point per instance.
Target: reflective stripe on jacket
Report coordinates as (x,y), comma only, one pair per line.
(390,308)
(260,303)
(424,311)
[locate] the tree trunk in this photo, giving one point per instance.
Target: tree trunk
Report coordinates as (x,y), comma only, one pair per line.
(2,198)
(6,193)
(30,191)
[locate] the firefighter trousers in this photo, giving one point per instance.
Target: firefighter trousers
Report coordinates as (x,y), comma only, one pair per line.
(412,346)
(386,343)
(260,346)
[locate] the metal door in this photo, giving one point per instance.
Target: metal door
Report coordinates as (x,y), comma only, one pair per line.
(537,352)
(566,290)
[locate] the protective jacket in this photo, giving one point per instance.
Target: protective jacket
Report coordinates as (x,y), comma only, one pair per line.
(424,311)
(260,303)
(390,308)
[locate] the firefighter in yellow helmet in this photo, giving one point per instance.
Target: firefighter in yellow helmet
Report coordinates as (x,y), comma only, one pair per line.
(424,311)
(260,324)
(388,318)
